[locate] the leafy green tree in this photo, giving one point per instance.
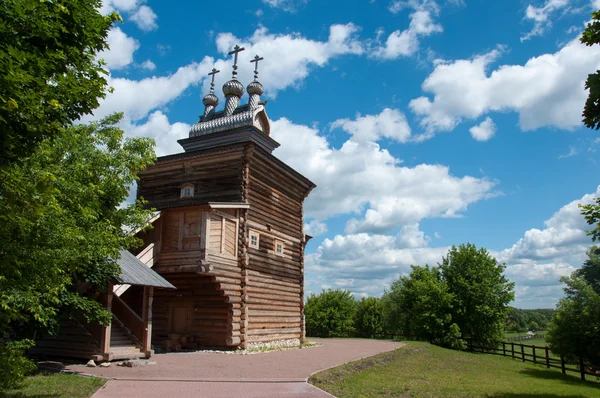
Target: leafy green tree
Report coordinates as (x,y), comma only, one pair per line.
(575,328)
(331,313)
(62,221)
(480,293)
(590,271)
(424,300)
(591,212)
(369,317)
(49,72)
(533,326)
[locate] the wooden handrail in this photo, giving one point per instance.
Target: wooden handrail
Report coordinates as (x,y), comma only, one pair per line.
(130,319)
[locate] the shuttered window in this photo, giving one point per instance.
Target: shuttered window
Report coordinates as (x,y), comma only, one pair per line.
(223,235)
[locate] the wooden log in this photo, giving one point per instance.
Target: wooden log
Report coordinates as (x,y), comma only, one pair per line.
(273,325)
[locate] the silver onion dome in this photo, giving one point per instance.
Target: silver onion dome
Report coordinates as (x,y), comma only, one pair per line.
(233,87)
(255,88)
(210,100)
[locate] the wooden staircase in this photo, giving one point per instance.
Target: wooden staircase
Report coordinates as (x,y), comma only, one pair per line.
(123,344)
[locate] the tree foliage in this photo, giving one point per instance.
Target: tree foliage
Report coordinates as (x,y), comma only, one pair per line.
(520,320)
(369,317)
(590,271)
(591,212)
(49,71)
(591,110)
(575,328)
(420,305)
(480,291)
(465,298)
(331,313)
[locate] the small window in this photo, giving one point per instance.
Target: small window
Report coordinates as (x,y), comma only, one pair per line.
(254,240)
(187,191)
(279,247)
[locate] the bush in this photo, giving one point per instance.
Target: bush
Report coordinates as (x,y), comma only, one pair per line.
(14,366)
(369,317)
(330,314)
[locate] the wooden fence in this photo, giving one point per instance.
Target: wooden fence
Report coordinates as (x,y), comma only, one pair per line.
(538,355)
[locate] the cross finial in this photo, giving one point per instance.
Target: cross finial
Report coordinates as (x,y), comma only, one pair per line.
(237,49)
(212,82)
(255,60)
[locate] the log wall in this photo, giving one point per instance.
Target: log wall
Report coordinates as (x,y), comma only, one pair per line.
(275,281)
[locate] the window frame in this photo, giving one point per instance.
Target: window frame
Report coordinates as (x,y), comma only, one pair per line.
(250,236)
(183,190)
(279,242)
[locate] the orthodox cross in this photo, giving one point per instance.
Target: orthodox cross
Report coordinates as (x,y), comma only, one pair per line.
(235,52)
(255,60)
(212,83)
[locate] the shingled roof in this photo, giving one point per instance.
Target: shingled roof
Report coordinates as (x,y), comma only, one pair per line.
(135,272)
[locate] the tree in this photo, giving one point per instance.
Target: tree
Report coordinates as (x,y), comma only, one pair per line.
(331,313)
(480,293)
(590,271)
(49,72)
(575,326)
(369,317)
(62,221)
(591,110)
(591,212)
(420,305)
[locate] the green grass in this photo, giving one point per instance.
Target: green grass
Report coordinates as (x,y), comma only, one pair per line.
(54,385)
(423,370)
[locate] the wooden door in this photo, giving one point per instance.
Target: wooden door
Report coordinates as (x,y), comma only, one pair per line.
(180,319)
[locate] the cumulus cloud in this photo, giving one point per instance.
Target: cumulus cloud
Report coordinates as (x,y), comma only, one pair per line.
(140,14)
(315,228)
(362,176)
(121,49)
(285,5)
(484,130)
(365,264)
(541,16)
(145,18)
(401,43)
(547,91)
(158,127)
(390,123)
(291,56)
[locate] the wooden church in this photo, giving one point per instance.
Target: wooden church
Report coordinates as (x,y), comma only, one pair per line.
(229,234)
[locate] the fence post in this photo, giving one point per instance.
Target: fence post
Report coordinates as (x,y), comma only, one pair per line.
(581,368)
(503,349)
(533,349)
(512,348)
(547,357)
(522,352)
(562,365)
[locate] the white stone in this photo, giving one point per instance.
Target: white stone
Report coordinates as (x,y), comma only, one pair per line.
(91,364)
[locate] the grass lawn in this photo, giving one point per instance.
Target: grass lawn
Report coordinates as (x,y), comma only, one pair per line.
(54,385)
(522,334)
(423,370)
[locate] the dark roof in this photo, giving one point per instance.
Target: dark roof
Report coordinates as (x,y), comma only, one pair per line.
(135,272)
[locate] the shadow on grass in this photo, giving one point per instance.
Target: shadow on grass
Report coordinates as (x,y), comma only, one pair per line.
(513,395)
(572,379)
(18,394)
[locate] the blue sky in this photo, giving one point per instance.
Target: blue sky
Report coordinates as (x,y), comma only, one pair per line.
(424,123)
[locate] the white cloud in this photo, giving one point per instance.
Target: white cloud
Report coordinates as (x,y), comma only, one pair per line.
(121,49)
(361,175)
(366,264)
(406,42)
(137,98)
(572,152)
(484,130)
(148,64)
(540,16)
(140,14)
(157,126)
(145,18)
(285,5)
(315,228)
(547,91)
(390,123)
(288,57)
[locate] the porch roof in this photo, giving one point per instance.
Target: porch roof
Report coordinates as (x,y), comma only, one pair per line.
(135,272)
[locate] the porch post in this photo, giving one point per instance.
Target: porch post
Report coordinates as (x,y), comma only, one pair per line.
(105,337)
(147,318)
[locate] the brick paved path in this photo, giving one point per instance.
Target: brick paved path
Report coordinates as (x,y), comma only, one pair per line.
(203,374)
